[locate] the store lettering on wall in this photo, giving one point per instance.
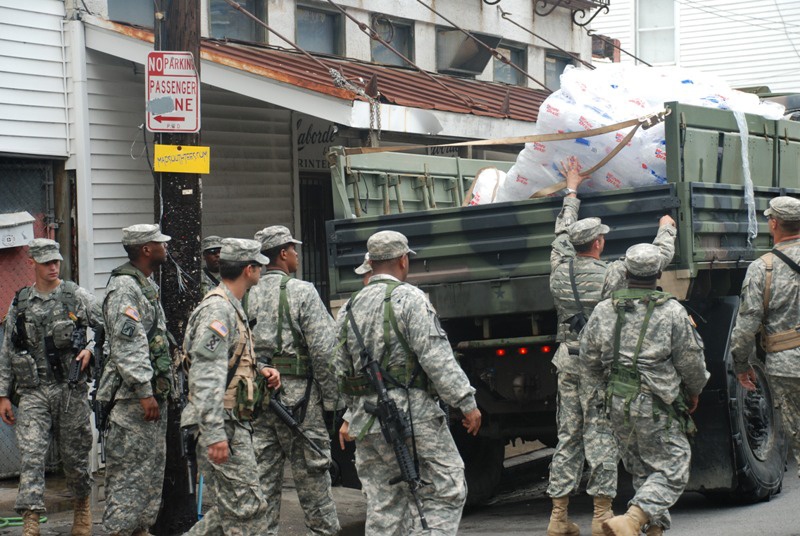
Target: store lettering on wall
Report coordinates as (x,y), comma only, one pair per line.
(314,138)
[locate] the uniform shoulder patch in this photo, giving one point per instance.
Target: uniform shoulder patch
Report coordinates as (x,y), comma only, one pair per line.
(219,328)
(132,313)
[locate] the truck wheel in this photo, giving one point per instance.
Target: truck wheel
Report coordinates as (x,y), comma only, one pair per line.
(759,441)
(483,464)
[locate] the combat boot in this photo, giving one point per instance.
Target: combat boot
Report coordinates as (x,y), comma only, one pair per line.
(82,518)
(140,532)
(602,512)
(655,530)
(629,524)
(30,523)
(560,525)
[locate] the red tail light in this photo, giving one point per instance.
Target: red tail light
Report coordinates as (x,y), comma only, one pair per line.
(500,352)
(522,351)
(546,349)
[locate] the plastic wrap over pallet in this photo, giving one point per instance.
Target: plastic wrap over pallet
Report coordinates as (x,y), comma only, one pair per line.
(611,94)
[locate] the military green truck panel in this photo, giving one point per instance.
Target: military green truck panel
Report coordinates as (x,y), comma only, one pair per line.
(494,259)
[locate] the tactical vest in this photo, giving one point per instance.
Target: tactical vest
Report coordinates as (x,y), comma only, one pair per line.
(242,392)
(59,325)
(290,365)
(782,340)
(589,277)
(624,380)
(405,376)
(157,339)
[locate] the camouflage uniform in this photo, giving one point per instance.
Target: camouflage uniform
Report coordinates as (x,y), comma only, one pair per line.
(136,334)
(314,377)
(390,509)
(583,429)
(653,445)
(780,314)
(216,337)
(43,406)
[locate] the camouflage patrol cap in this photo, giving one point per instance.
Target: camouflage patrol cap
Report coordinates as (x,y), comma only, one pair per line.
(274,236)
(365,266)
(385,245)
(211,242)
(643,260)
(142,233)
(585,230)
(784,208)
(44,250)
(242,250)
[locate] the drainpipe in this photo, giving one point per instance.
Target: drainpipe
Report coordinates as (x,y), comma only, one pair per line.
(80,160)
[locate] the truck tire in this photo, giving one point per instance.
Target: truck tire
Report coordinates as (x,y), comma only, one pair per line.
(483,464)
(759,441)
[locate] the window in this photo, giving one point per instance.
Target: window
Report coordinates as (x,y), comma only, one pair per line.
(398,34)
(655,31)
(139,12)
(227,22)
(554,65)
(460,55)
(506,73)
(319,30)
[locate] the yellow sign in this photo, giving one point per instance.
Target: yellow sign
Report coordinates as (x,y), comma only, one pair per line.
(182,159)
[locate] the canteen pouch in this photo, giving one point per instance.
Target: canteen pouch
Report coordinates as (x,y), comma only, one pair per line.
(23,367)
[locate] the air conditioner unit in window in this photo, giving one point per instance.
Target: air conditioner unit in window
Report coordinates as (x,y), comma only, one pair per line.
(459,54)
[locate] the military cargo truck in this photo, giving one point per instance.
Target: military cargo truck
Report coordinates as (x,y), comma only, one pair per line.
(486,270)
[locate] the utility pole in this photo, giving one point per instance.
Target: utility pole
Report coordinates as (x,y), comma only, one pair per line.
(177,202)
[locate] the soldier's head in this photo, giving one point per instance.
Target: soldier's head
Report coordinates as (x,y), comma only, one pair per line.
(643,264)
(240,263)
(277,244)
(145,245)
(211,246)
(46,259)
(364,269)
(388,254)
(588,237)
(783,217)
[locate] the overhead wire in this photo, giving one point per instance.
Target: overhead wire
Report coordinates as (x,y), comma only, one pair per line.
(494,52)
(731,14)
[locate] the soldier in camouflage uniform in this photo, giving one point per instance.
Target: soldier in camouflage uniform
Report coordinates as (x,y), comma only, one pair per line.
(583,430)
(419,358)
(37,353)
(223,395)
(295,334)
(641,349)
(209,277)
(135,384)
(771,304)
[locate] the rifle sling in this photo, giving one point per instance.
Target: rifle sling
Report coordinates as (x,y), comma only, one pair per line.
(211,277)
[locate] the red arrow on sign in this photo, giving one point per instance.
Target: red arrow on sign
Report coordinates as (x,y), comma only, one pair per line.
(162,118)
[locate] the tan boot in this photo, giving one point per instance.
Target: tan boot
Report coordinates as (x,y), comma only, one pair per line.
(629,524)
(82,518)
(140,532)
(30,523)
(655,530)
(602,512)
(560,525)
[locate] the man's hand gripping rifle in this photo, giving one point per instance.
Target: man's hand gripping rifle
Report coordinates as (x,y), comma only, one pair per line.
(79,341)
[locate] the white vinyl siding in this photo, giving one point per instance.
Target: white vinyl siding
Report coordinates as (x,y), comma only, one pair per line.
(33,116)
(746,42)
(250,184)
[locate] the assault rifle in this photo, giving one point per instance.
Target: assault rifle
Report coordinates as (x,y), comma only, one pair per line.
(100,409)
(285,414)
(395,424)
(78,345)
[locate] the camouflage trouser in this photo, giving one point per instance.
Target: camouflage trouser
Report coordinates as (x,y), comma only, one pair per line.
(41,411)
(136,453)
(786,393)
(583,433)
(655,452)
(390,508)
(274,442)
(239,506)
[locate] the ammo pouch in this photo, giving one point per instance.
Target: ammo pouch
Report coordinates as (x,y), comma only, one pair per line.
(162,367)
(248,397)
(395,377)
(23,368)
